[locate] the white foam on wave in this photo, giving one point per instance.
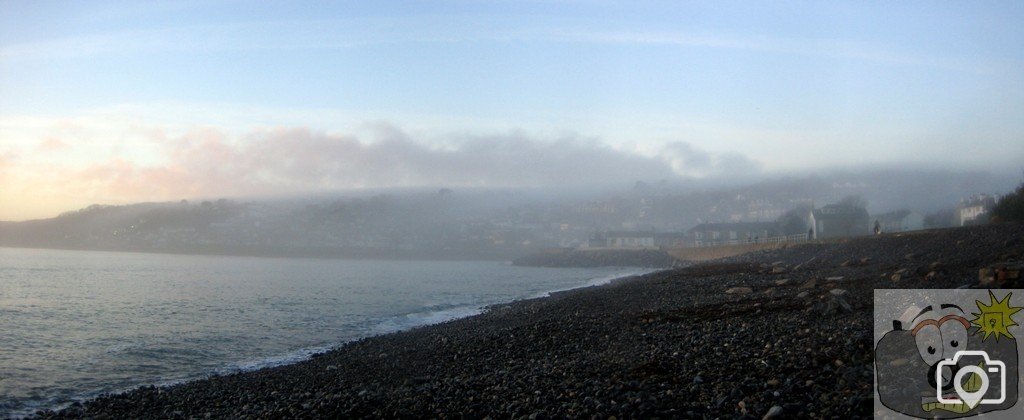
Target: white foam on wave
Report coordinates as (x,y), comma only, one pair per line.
(599,281)
(284,359)
(419,319)
(431,317)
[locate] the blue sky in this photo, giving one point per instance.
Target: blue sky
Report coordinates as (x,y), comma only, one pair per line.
(107,94)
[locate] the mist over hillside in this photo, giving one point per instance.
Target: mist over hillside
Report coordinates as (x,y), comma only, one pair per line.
(476,223)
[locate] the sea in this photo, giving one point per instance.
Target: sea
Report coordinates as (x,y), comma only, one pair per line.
(78,324)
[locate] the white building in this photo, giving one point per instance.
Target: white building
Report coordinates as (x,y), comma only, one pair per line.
(975,209)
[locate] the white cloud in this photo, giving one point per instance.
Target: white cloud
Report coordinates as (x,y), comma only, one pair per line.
(209,162)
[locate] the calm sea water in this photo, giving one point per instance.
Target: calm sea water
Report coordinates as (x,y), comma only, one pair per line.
(74,324)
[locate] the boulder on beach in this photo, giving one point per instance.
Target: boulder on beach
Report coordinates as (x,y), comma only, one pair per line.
(1000,274)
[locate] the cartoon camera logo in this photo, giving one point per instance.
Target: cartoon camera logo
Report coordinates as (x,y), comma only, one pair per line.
(942,361)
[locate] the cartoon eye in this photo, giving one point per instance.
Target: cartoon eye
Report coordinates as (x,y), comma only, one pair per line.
(954,336)
(929,344)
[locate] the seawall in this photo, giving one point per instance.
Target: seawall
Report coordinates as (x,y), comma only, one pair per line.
(710,253)
(653,258)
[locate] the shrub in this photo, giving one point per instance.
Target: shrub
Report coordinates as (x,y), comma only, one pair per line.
(1011,206)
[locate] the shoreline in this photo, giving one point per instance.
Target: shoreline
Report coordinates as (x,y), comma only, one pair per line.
(785,331)
(293,254)
(426,318)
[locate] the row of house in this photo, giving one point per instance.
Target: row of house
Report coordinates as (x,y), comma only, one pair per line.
(830,221)
(732,233)
(705,234)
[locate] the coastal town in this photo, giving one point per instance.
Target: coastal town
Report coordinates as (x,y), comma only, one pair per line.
(800,224)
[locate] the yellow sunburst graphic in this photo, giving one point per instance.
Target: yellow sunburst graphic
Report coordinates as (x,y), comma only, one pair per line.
(995,317)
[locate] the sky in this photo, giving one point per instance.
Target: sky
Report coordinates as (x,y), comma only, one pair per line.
(121,102)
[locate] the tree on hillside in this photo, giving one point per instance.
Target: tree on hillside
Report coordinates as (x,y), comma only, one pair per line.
(941,219)
(1011,206)
(854,201)
(794,221)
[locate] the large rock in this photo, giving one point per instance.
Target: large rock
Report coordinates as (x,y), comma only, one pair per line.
(832,303)
(740,290)
(773,413)
(1001,274)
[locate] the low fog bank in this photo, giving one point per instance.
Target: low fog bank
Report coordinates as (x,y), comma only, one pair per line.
(497,223)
